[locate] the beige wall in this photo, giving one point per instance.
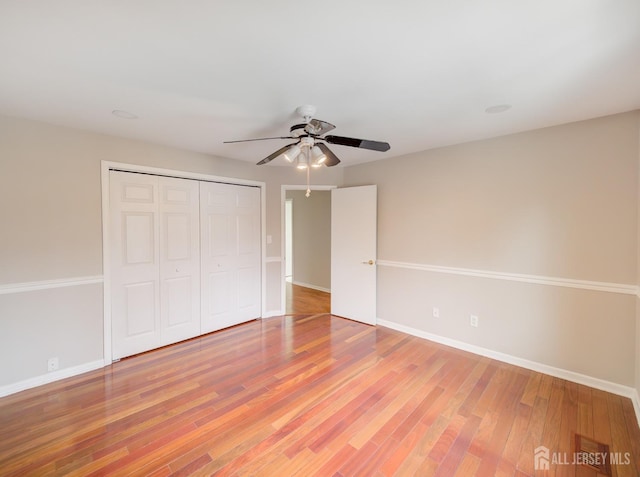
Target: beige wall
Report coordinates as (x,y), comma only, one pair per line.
(63,322)
(311,238)
(638,282)
(638,349)
(555,202)
(50,204)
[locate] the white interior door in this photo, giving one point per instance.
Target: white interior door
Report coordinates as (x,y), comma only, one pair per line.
(353,253)
(230,254)
(288,239)
(179,259)
(135,270)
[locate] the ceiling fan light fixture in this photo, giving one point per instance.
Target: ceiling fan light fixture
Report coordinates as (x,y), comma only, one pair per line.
(302,162)
(319,157)
(291,153)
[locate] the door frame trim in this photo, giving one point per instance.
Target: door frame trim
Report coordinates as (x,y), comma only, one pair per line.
(283,197)
(105,167)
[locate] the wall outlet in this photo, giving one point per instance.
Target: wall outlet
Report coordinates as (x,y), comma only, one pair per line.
(52,364)
(436,312)
(473,321)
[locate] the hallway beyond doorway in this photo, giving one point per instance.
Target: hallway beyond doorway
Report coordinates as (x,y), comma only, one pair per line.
(305,301)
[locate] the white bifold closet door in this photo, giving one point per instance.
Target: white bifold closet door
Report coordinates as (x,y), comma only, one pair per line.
(155,261)
(230,254)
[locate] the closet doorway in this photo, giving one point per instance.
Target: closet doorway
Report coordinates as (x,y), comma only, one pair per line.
(183,256)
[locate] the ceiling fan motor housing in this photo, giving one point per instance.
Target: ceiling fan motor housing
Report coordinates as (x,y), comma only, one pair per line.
(297,130)
(306,111)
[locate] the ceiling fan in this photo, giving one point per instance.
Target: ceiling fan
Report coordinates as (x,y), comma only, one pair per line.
(310,149)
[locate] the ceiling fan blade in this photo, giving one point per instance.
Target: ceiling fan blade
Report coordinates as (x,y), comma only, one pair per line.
(258,139)
(332,159)
(271,157)
(317,127)
(361,143)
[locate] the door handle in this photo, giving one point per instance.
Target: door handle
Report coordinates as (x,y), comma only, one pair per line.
(370,262)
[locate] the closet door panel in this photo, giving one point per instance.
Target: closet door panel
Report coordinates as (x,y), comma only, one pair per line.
(179,259)
(218,261)
(139,309)
(248,250)
(179,302)
(135,297)
(221,302)
(248,291)
(229,259)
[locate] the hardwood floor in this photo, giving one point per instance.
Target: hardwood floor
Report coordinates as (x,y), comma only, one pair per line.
(306,301)
(316,395)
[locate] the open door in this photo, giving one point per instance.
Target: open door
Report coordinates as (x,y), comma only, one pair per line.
(353,253)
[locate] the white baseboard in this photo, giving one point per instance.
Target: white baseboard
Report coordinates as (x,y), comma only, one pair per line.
(50,377)
(635,399)
(590,381)
(272,313)
(313,287)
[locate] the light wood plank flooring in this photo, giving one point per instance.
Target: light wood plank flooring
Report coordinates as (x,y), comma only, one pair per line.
(315,395)
(306,301)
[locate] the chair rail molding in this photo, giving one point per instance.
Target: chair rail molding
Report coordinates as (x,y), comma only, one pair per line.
(622,288)
(9,288)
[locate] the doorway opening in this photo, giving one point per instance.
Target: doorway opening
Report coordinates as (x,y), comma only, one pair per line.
(306,250)
(288,240)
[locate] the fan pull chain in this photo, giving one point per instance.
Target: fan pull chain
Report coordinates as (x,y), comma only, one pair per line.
(308,186)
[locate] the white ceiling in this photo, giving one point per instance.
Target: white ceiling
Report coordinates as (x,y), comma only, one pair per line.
(416,73)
